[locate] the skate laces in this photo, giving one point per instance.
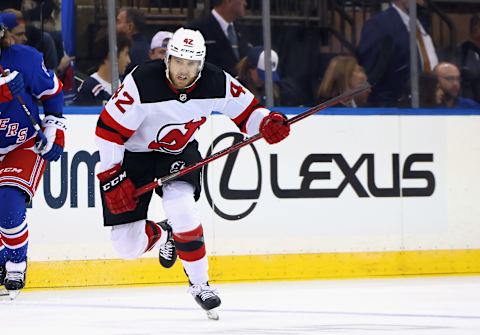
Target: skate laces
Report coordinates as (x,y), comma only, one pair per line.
(166,250)
(204,291)
(15,276)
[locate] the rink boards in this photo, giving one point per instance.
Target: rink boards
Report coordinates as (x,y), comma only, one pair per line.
(348,194)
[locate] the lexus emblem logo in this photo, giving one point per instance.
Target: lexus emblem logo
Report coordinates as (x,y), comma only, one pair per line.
(248,196)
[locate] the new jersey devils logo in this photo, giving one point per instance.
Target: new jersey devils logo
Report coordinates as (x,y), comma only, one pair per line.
(172,138)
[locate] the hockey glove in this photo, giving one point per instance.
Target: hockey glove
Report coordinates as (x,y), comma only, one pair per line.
(118,190)
(50,144)
(10,86)
(274,127)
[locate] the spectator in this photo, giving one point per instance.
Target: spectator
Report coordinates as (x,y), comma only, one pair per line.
(470,60)
(158,45)
(131,22)
(23,33)
(38,12)
(225,43)
(385,37)
(97,89)
(46,15)
(449,87)
(251,73)
(13,21)
(343,73)
(39,18)
(43,42)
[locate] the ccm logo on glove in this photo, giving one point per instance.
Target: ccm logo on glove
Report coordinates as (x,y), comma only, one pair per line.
(118,190)
(115,181)
(50,144)
(55,122)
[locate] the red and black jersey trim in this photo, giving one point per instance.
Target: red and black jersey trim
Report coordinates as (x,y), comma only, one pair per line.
(110,130)
(190,245)
(153,232)
(241,120)
(176,90)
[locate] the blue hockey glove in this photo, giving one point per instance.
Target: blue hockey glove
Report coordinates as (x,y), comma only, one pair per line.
(50,146)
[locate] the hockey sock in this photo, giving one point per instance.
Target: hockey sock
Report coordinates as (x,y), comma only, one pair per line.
(13,227)
(190,245)
(191,250)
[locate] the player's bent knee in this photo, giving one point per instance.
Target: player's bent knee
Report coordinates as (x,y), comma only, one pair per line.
(129,240)
(13,210)
(180,207)
(181,216)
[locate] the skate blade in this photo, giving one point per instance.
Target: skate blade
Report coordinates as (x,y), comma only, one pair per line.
(13,294)
(213,314)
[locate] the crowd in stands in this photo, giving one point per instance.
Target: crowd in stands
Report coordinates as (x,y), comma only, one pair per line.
(97,89)
(449,83)
(32,22)
(385,43)
(343,73)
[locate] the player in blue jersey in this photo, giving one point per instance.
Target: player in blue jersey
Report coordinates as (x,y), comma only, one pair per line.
(23,151)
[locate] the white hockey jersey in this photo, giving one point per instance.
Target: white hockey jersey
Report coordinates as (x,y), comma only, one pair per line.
(148,113)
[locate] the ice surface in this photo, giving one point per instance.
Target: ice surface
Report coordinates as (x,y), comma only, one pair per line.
(410,306)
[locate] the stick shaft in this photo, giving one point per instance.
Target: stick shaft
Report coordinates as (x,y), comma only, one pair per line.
(30,116)
(343,97)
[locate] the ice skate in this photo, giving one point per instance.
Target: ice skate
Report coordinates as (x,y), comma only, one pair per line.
(3,292)
(167,255)
(207,297)
(15,278)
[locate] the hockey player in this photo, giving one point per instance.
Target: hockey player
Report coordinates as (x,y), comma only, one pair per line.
(147,130)
(23,152)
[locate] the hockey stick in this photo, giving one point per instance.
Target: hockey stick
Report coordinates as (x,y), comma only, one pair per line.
(34,122)
(159,182)
(41,144)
